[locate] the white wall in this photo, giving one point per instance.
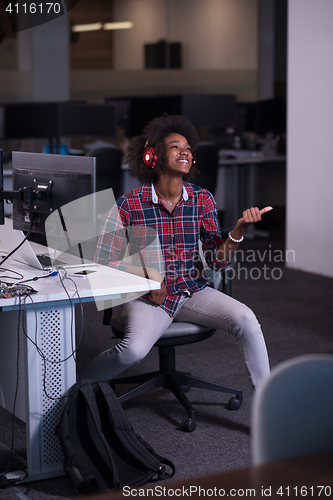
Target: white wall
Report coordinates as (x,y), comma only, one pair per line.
(310,135)
(215,34)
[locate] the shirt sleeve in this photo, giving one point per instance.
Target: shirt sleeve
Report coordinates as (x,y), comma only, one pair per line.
(210,233)
(112,242)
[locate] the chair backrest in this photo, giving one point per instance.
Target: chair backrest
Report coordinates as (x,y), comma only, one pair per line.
(207,164)
(108,168)
(293,410)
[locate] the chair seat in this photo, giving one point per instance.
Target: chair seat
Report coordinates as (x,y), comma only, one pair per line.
(178,333)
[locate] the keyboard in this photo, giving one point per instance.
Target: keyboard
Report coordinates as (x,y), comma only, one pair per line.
(46,261)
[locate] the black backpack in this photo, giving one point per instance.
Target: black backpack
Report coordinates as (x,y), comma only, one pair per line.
(101,450)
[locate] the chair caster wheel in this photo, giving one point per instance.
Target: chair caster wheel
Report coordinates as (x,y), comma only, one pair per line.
(188,425)
(234,404)
(186,388)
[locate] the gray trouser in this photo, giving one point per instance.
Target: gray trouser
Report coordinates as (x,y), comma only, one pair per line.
(145,322)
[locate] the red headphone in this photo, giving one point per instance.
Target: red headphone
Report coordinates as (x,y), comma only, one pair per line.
(150,158)
(194,159)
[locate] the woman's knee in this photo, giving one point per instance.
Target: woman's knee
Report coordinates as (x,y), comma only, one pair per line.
(247,323)
(133,351)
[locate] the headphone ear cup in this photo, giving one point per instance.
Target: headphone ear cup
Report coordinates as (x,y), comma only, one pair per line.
(149,156)
(194,159)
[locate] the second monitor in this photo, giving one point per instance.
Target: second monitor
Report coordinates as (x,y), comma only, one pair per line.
(62,179)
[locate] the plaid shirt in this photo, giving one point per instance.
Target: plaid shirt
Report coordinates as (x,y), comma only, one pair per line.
(194,217)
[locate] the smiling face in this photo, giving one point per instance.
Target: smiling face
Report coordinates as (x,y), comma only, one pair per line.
(178,153)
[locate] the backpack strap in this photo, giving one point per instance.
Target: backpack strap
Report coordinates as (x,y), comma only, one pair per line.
(160,458)
(87,391)
(137,447)
(162,474)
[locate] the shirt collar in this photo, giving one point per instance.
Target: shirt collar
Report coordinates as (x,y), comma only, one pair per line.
(155,197)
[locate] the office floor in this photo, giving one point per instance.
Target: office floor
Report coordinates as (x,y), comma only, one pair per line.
(295,311)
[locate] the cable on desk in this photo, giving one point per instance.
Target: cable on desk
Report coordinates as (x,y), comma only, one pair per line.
(81,308)
(11,271)
(36,278)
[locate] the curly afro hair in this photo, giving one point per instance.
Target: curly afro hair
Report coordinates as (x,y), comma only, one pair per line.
(155,133)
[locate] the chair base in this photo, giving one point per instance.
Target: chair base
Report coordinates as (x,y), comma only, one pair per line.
(168,378)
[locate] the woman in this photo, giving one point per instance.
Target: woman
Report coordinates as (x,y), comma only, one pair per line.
(182,214)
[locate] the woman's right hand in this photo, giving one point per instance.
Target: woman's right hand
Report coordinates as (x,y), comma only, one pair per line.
(155,296)
(158,296)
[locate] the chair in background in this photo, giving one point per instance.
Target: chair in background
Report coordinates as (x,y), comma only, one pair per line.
(167,376)
(293,410)
(108,168)
(206,153)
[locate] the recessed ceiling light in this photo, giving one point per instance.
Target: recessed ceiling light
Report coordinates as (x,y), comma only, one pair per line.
(125,25)
(79,28)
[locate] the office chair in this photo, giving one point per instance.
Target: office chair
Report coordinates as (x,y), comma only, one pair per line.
(168,377)
(293,410)
(206,153)
(108,168)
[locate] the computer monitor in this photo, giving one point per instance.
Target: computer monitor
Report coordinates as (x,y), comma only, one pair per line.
(30,119)
(135,112)
(58,180)
(270,116)
(146,108)
(81,119)
(210,110)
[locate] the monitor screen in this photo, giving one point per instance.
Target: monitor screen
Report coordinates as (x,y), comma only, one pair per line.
(28,119)
(210,110)
(144,109)
(135,112)
(62,179)
(270,116)
(80,119)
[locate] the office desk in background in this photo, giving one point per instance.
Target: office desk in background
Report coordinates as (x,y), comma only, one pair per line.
(45,378)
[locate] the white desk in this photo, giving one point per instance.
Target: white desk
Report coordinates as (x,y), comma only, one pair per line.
(50,323)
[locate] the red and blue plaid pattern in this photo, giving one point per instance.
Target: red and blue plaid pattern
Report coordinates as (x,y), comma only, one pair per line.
(141,214)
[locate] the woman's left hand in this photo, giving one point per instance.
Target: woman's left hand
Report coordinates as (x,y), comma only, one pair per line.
(252,215)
